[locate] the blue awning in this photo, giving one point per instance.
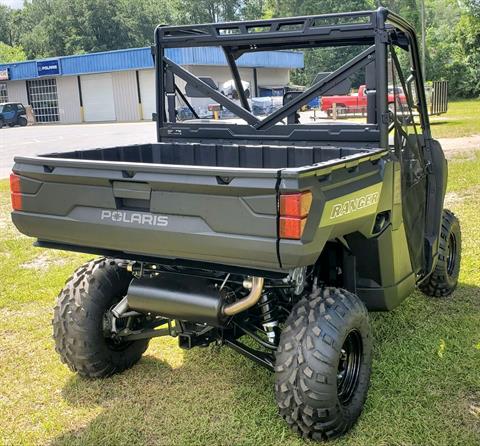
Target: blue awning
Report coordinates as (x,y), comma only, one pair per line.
(141,58)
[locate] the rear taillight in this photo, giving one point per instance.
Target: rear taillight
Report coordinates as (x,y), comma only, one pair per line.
(294,209)
(15,190)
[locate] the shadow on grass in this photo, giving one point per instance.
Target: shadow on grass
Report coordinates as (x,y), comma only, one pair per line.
(202,401)
(218,397)
(449,121)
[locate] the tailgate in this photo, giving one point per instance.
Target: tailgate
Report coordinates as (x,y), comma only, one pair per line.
(211,214)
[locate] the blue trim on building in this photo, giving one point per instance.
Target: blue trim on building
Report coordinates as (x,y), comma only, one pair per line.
(141,58)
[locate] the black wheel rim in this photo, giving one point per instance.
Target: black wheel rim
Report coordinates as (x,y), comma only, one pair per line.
(452,254)
(349,366)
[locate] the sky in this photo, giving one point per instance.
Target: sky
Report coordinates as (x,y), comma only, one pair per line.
(12,3)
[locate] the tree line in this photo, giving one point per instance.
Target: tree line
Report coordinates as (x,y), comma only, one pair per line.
(46,28)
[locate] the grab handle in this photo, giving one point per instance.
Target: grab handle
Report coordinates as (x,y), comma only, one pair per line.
(136,191)
(134,196)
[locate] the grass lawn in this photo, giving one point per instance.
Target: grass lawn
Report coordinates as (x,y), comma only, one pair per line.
(425,386)
(462,119)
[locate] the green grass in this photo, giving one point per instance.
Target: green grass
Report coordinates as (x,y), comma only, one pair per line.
(425,386)
(462,119)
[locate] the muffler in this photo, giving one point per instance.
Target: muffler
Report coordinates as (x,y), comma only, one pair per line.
(188,298)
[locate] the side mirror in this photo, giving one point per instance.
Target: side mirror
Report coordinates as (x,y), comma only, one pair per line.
(410,81)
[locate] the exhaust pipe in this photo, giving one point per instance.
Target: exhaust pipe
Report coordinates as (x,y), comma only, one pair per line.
(187,298)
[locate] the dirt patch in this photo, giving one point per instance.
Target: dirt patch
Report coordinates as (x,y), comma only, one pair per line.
(455,198)
(42,261)
(474,409)
(473,406)
(460,146)
(27,310)
(452,198)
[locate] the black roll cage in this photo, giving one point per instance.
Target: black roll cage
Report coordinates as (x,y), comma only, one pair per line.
(378,29)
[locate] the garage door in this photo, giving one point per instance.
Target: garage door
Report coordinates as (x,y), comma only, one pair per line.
(147,91)
(97,95)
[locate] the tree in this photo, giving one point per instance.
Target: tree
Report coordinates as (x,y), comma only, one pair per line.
(465,69)
(442,17)
(141,17)
(473,6)
(5,21)
(207,11)
(11,53)
(254,9)
(286,8)
(46,28)
(320,59)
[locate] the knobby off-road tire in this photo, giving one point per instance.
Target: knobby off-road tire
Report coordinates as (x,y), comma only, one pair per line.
(444,278)
(324,333)
(78,321)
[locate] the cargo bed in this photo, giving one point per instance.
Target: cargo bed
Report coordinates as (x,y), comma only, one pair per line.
(213,203)
(216,155)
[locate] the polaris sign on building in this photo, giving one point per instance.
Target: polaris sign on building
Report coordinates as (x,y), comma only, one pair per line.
(48,67)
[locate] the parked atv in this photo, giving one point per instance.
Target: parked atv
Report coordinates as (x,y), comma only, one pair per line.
(282,232)
(12,114)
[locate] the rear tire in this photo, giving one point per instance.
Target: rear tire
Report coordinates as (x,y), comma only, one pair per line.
(79,318)
(22,121)
(444,278)
(323,364)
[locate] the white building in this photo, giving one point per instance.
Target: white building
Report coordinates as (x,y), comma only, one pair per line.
(120,85)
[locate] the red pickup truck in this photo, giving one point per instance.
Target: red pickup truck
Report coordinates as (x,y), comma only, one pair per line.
(357,102)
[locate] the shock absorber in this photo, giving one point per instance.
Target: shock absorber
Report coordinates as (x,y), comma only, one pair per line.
(269,317)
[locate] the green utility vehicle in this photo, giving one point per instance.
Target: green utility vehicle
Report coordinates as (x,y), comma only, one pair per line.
(272,236)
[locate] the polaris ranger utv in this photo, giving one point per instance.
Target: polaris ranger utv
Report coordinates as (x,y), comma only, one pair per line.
(269,235)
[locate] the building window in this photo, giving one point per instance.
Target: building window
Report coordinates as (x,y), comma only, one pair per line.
(44,99)
(3,92)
